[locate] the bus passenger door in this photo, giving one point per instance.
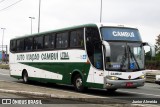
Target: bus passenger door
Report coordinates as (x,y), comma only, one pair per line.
(98,64)
(94,52)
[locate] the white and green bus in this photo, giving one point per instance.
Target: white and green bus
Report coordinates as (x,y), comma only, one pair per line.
(87,56)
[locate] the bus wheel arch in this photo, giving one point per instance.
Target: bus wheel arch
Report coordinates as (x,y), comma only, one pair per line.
(77,81)
(25,76)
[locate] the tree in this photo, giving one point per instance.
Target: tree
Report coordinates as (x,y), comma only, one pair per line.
(155,62)
(158,44)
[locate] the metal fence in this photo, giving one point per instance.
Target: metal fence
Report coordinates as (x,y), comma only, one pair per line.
(4,56)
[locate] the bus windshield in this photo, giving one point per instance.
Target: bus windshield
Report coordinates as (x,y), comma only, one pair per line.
(125,56)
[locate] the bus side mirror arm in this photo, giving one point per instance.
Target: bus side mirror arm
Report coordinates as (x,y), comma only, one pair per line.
(107,48)
(152,48)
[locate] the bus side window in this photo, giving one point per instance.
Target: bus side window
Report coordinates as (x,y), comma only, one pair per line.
(62,40)
(38,43)
(13,45)
(49,41)
(46,42)
(52,41)
(76,39)
(28,44)
(20,44)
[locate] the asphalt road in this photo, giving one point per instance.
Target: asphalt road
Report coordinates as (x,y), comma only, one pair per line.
(4,75)
(150,90)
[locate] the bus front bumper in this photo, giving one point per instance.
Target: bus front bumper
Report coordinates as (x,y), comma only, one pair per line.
(114,84)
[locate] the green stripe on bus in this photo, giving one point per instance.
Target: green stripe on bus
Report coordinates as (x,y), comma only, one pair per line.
(65,69)
(45,80)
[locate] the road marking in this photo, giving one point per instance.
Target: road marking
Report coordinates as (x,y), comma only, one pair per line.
(4,74)
(140,93)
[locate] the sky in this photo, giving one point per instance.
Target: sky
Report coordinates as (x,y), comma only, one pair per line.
(55,14)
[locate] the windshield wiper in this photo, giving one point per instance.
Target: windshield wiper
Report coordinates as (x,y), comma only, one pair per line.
(123,59)
(133,57)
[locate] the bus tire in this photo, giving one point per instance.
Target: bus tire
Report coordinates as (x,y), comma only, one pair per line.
(25,77)
(78,83)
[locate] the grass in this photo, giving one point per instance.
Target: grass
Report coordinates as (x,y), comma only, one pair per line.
(4,66)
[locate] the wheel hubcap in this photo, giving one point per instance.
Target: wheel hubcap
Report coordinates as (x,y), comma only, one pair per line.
(25,78)
(79,83)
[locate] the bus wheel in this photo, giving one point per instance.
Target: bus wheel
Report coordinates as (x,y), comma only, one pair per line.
(25,77)
(78,83)
(111,90)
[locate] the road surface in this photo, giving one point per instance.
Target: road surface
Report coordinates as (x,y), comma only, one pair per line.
(150,90)
(41,101)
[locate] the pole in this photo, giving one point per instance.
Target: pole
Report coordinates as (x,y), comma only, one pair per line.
(31,23)
(2,37)
(6,54)
(101,12)
(39,16)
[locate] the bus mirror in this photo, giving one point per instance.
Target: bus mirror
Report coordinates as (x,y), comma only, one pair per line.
(107,49)
(152,48)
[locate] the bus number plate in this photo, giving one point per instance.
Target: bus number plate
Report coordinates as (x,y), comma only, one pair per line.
(129,84)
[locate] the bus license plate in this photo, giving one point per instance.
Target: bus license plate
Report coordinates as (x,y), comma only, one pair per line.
(129,84)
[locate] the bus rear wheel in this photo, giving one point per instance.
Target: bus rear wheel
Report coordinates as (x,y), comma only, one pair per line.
(78,83)
(25,77)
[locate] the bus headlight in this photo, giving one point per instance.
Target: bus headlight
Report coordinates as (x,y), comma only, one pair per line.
(112,78)
(142,77)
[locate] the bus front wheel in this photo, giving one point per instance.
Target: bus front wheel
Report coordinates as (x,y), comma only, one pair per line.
(25,77)
(78,83)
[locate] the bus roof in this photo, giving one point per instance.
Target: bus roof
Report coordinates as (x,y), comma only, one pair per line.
(74,27)
(57,30)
